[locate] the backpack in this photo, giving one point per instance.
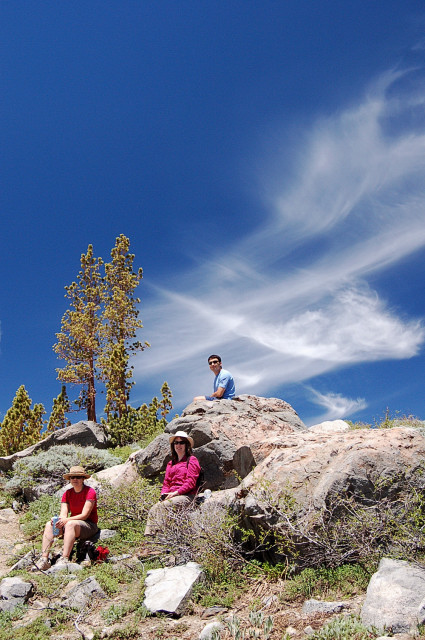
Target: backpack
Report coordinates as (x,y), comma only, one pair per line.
(201,478)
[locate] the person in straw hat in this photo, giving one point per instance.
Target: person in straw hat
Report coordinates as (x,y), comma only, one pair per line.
(181,475)
(77,517)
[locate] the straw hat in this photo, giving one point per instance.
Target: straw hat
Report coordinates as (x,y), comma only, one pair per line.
(181,434)
(76,471)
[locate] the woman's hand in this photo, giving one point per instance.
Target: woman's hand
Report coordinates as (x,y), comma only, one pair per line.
(172,495)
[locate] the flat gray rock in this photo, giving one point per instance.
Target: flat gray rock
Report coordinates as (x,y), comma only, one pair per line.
(168,589)
(395,598)
(13,592)
(70,567)
(319,606)
(79,595)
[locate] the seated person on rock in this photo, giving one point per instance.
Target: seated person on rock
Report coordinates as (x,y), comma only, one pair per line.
(224,385)
(81,502)
(181,475)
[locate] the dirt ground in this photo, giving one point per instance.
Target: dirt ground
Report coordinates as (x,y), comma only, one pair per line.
(286,617)
(10,538)
(259,596)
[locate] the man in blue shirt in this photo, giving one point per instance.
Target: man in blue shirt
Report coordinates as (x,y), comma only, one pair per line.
(224,385)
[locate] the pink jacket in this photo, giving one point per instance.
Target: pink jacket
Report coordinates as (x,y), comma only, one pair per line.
(181,477)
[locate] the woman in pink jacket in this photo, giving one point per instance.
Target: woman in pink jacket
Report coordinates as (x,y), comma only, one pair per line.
(181,475)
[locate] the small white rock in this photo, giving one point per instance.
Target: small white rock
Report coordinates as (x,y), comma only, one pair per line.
(207,631)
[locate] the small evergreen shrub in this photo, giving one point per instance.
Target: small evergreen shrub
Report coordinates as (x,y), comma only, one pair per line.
(51,465)
(125,508)
(345,628)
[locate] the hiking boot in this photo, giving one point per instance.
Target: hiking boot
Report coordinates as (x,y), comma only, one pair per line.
(42,565)
(62,562)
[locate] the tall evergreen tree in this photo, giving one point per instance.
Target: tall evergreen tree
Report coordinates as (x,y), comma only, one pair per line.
(61,406)
(120,320)
(80,339)
(22,425)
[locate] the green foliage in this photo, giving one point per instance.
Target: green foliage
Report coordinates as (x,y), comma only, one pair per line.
(120,325)
(38,513)
(140,424)
(80,339)
(222,591)
(125,508)
(205,534)
(99,331)
(36,630)
(257,625)
(21,426)
(339,582)
(61,406)
(344,628)
(52,465)
(124,452)
(390,520)
(129,632)
(389,421)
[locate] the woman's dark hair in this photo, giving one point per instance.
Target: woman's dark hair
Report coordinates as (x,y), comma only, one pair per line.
(187,449)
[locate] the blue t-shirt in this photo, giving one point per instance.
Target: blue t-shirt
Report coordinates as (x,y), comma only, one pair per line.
(225,380)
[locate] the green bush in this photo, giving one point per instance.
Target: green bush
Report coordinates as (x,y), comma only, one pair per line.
(38,513)
(52,464)
(142,424)
(125,509)
(348,529)
(340,582)
(206,535)
(344,628)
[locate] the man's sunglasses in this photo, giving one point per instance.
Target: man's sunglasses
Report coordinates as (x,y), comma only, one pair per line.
(214,361)
(76,477)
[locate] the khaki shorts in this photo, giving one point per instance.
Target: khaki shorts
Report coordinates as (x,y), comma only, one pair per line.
(87,529)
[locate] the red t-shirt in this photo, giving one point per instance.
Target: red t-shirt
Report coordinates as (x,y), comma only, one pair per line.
(76,501)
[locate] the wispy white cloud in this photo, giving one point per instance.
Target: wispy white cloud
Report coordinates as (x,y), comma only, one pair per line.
(292,300)
(336,405)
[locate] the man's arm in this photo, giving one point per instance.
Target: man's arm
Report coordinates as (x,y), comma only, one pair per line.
(218,393)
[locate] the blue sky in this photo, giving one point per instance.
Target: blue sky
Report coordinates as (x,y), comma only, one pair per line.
(267,162)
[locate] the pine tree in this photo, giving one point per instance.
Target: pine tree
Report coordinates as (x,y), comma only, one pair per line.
(80,340)
(22,425)
(165,404)
(120,319)
(61,406)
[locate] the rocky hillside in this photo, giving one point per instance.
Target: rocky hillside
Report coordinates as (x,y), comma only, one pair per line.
(299,494)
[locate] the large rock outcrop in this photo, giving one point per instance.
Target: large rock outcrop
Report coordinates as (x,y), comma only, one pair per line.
(316,465)
(231,437)
(84,433)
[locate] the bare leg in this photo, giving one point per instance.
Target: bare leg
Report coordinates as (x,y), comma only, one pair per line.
(198,398)
(72,532)
(47,540)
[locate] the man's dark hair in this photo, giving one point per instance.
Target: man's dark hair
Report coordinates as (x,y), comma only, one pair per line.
(214,356)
